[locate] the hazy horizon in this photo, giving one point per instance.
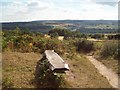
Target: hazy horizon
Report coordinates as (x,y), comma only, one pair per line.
(55,20)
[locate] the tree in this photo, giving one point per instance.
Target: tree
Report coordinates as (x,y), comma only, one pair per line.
(54,35)
(60,31)
(97,36)
(17,30)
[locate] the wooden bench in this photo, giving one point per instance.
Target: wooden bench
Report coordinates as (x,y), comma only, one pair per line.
(57,64)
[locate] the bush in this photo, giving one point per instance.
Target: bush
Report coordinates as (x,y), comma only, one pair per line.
(4,44)
(45,78)
(110,49)
(21,41)
(50,44)
(84,45)
(97,36)
(54,35)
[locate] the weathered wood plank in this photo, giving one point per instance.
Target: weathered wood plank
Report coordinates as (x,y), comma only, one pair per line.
(57,63)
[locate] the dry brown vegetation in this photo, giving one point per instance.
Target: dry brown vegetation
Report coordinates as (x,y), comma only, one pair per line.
(83,74)
(19,71)
(108,53)
(22,51)
(19,68)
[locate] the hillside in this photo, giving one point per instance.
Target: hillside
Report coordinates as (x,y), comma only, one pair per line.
(24,68)
(84,26)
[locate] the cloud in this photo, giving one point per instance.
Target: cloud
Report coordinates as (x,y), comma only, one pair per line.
(70,0)
(105,0)
(33,4)
(27,10)
(108,3)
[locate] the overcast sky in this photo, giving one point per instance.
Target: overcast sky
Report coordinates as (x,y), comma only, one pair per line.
(28,10)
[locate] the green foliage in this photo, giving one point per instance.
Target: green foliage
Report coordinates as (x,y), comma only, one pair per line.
(7,83)
(66,33)
(97,36)
(61,32)
(18,40)
(84,45)
(45,78)
(50,44)
(4,43)
(111,49)
(54,35)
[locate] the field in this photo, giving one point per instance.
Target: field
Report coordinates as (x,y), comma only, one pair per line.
(22,52)
(19,71)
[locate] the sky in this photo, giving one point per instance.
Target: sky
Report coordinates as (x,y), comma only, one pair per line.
(30,10)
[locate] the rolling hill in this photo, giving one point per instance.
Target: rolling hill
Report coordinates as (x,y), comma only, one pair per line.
(84,26)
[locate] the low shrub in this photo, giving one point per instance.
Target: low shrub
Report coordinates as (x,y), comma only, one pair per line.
(45,78)
(85,46)
(50,44)
(4,44)
(110,49)
(97,36)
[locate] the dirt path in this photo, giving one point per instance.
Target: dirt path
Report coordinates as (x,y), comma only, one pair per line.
(83,74)
(111,76)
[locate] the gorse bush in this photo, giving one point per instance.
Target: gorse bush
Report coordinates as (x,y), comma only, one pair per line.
(50,44)
(110,49)
(4,43)
(84,45)
(21,41)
